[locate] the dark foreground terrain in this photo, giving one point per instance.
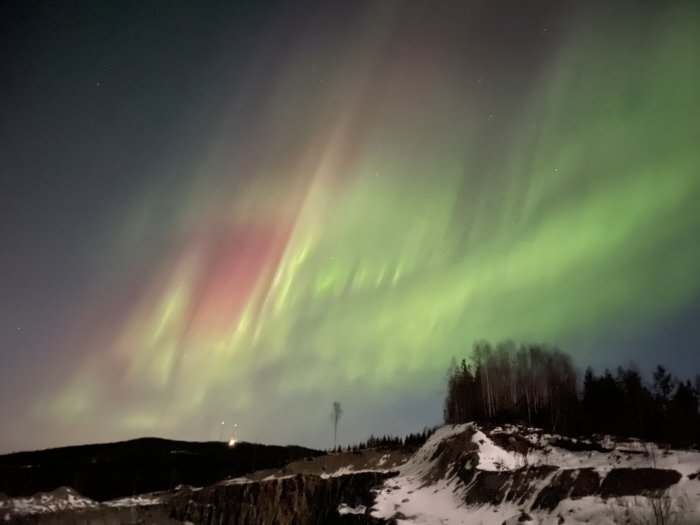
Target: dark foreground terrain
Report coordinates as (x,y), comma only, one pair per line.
(509,475)
(116,470)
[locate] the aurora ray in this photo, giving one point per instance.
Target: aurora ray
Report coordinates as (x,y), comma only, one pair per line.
(389,199)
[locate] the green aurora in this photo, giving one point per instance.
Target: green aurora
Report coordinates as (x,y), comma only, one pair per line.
(415,205)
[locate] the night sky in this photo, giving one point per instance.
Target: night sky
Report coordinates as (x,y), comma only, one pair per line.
(244,211)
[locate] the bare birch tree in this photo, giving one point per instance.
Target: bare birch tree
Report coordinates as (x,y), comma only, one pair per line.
(337,414)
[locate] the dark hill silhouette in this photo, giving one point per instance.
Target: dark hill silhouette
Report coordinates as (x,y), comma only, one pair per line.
(114,470)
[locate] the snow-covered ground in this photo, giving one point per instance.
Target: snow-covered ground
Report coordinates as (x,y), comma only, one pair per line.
(135,501)
(411,499)
(433,483)
(65,498)
(46,502)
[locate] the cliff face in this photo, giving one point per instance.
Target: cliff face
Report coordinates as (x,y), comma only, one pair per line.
(469,474)
(295,500)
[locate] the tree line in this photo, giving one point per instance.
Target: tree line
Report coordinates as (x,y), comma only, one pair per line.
(538,385)
(413,440)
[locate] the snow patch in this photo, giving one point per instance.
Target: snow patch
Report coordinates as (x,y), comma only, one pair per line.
(346,509)
(135,501)
(46,502)
(492,457)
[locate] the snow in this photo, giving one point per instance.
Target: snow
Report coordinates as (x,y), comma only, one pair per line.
(65,498)
(343,471)
(520,519)
(410,500)
(46,502)
(135,501)
(429,491)
(494,458)
(345,509)
(419,505)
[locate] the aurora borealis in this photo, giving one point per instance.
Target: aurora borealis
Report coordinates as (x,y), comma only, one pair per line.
(245,213)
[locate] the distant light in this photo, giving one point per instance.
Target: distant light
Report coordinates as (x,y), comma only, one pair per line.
(222,422)
(231,442)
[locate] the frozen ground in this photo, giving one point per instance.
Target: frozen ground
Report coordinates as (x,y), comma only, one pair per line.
(430,487)
(410,500)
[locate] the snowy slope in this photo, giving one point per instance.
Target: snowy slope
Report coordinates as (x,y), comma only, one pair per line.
(416,496)
(465,474)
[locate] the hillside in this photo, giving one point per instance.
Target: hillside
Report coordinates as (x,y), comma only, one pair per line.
(463,474)
(467,474)
(115,470)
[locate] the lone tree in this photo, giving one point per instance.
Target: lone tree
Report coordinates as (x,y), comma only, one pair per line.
(337,414)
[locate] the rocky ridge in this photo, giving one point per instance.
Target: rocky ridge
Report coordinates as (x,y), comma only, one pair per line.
(463,474)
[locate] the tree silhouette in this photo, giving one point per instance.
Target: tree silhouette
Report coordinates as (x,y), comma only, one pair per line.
(337,414)
(537,385)
(534,384)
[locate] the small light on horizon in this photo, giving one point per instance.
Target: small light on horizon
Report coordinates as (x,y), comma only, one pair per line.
(232,442)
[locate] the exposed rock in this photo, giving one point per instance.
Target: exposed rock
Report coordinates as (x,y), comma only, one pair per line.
(459,465)
(570,483)
(100,516)
(516,486)
(630,482)
(453,456)
(576,445)
(512,442)
(522,519)
(297,500)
